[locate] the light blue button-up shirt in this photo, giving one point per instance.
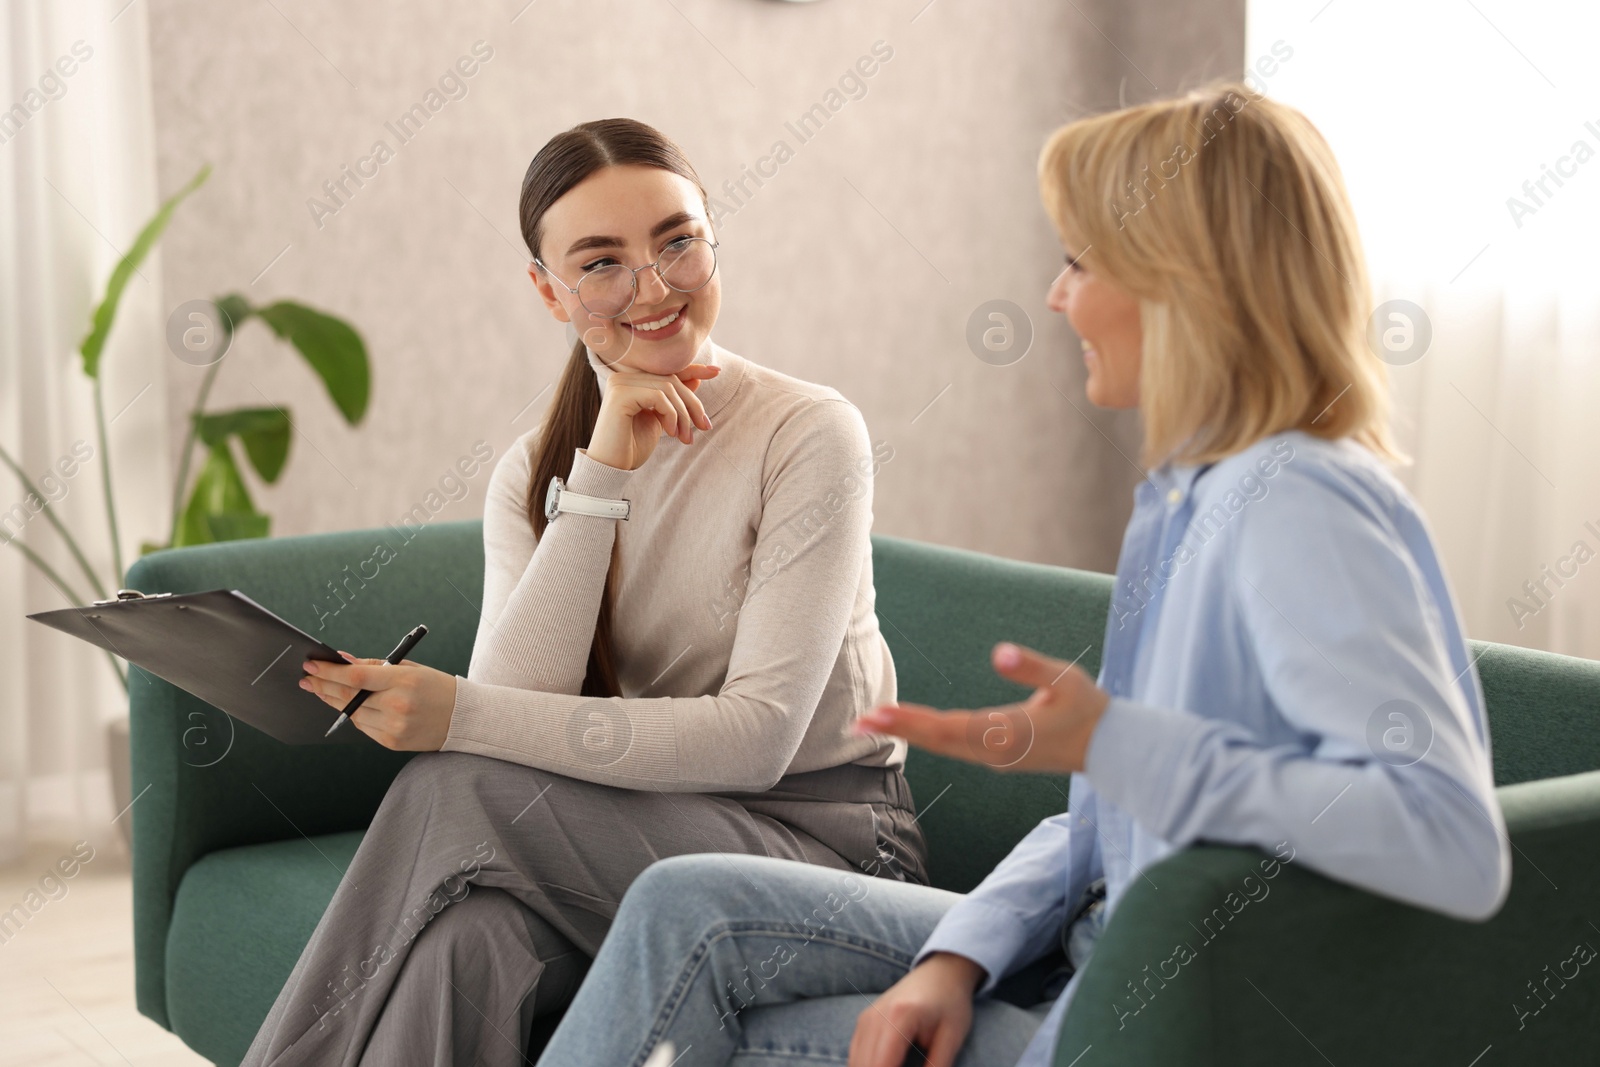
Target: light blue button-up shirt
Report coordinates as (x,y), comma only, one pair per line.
(1287,670)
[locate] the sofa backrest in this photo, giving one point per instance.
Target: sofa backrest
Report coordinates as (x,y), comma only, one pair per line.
(1544,712)
(942,610)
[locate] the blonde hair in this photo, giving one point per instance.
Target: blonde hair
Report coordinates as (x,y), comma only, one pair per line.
(1224,213)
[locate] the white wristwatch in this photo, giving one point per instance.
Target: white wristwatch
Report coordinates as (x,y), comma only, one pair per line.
(561,499)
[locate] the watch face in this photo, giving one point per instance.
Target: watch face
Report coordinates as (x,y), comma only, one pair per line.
(551,497)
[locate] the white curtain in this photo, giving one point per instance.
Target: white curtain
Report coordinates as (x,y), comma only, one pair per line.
(1502,416)
(77,182)
(1473,162)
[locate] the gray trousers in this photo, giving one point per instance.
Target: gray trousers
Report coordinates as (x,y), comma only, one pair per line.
(483,889)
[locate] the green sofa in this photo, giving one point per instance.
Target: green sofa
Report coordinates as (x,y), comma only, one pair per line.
(239,841)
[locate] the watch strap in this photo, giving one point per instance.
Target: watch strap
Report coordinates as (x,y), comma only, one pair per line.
(562,500)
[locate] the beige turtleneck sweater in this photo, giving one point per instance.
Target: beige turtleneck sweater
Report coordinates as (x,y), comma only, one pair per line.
(744,625)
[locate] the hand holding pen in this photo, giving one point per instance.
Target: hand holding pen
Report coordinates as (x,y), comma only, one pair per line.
(407,643)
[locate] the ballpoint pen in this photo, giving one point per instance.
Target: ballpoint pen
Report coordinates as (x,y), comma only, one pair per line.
(407,643)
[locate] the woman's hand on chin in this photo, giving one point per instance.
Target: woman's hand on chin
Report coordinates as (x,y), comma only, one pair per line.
(639,407)
(410,706)
(1049,731)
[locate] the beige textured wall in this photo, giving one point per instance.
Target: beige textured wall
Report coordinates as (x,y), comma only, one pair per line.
(857,264)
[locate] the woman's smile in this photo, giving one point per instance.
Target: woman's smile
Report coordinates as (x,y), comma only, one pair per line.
(657,326)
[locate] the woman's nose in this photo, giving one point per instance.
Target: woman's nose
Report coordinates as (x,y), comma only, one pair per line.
(1056,298)
(652,289)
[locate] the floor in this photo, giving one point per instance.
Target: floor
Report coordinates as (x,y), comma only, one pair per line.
(66,977)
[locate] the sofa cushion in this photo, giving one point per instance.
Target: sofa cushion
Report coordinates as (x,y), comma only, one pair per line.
(241,917)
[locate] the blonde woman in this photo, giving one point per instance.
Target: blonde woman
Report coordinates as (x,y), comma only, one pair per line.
(677,636)
(1279,610)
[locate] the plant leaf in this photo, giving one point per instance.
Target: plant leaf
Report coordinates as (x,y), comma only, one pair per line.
(265,433)
(94,341)
(219,492)
(239,527)
(332,347)
(235,309)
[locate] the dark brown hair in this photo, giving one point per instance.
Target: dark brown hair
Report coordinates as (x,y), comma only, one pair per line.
(565,160)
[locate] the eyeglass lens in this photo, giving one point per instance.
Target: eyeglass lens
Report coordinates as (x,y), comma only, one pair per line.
(686,265)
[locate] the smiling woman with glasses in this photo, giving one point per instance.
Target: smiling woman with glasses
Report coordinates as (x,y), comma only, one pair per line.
(677,634)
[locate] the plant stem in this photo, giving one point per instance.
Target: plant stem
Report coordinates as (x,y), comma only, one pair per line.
(72,544)
(50,574)
(65,590)
(105,472)
(188,447)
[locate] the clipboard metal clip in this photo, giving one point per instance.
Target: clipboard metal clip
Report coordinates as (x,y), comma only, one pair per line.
(130,594)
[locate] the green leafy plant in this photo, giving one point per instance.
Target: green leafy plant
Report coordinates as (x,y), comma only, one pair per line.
(218,506)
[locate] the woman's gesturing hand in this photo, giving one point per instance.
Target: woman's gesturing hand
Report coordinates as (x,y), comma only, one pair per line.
(639,407)
(1049,731)
(931,1006)
(410,706)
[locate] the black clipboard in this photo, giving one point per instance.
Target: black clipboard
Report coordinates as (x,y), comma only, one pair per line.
(222,647)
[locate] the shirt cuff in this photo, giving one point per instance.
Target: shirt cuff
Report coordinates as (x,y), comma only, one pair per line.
(989,936)
(593,478)
(1132,756)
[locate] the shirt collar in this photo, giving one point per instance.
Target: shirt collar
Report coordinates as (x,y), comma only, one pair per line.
(713,392)
(1173,483)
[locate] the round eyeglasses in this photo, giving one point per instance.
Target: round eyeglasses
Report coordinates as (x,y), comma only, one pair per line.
(686,264)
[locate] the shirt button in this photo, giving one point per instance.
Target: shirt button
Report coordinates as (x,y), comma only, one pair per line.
(1173,496)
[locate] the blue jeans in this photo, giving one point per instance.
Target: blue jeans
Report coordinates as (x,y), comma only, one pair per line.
(760,962)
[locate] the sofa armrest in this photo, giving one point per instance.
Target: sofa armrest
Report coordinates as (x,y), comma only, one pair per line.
(203,782)
(1208,962)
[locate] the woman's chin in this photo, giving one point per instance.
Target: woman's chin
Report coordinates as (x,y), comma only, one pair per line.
(671,356)
(622,350)
(1092,389)
(668,357)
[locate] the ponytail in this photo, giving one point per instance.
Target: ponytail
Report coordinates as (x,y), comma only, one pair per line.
(568,427)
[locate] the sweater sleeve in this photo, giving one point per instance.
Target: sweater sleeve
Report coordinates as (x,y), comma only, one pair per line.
(812,540)
(541,596)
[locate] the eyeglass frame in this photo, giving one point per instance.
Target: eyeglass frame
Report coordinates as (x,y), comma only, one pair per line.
(634,276)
